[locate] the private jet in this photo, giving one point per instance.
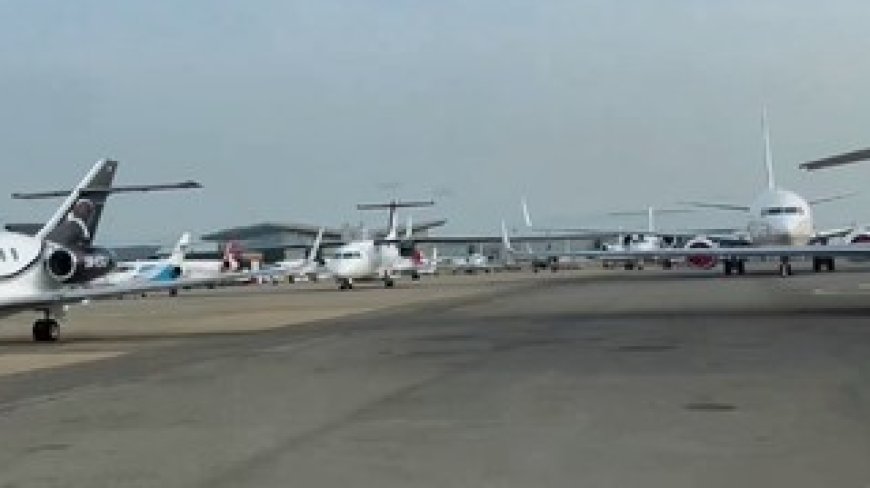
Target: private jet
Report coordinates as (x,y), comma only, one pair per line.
(37,271)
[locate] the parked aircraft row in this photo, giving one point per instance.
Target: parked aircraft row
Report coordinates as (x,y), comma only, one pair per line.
(60,264)
(779,224)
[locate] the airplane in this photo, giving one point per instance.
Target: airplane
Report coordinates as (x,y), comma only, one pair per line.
(373,259)
(37,271)
(306,268)
(627,240)
(164,270)
(779,225)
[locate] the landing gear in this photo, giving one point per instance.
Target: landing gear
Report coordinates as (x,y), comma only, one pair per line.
(785,268)
(173,292)
(667,264)
(822,263)
(415,277)
(46,329)
(389,282)
(732,265)
(345,284)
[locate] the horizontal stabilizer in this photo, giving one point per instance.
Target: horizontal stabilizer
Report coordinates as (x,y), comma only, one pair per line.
(394,205)
(184,185)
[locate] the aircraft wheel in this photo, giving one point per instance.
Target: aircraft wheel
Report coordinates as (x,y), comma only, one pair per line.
(46,330)
(785,270)
(831,266)
(817,264)
(389,283)
(727,267)
(741,267)
(173,292)
(628,266)
(415,277)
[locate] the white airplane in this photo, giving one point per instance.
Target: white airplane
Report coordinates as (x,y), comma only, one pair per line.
(306,268)
(780,224)
(36,271)
(372,259)
(159,270)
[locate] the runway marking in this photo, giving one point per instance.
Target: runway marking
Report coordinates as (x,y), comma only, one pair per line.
(23,362)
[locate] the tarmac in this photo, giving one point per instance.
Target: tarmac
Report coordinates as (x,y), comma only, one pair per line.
(591,378)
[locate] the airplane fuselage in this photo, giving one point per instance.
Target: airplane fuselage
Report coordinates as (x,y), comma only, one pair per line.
(780,217)
(22,269)
(363,260)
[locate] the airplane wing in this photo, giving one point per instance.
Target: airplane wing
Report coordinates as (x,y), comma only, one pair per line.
(64,296)
(834,198)
(731,252)
(718,206)
(838,160)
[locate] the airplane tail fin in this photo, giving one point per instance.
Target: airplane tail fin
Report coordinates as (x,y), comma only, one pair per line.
(75,222)
(505,238)
(180,250)
(409,228)
(393,206)
(527,217)
(315,247)
(768,153)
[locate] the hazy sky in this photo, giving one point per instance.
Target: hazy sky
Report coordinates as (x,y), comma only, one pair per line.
(296,111)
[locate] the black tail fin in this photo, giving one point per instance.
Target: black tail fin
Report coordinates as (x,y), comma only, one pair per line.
(75,222)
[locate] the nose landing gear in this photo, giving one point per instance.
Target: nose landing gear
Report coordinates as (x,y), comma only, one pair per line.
(785,267)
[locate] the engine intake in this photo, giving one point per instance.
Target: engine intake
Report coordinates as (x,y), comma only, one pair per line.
(700,261)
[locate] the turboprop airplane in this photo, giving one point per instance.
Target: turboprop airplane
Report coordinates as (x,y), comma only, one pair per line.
(35,271)
(373,259)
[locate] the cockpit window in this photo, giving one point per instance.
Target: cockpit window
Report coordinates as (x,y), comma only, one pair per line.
(347,255)
(2,255)
(14,253)
(782,211)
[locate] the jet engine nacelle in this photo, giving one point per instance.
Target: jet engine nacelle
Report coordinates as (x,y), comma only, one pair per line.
(71,266)
(700,261)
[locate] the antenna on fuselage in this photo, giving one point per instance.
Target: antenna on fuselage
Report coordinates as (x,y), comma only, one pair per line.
(768,153)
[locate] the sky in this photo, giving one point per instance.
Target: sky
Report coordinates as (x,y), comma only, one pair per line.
(295,111)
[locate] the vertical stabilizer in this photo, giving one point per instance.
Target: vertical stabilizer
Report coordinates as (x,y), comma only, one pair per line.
(651,220)
(315,247)
(180,250)
(75,222)
(527,217)
(768,153)
(505,238)
(409,228)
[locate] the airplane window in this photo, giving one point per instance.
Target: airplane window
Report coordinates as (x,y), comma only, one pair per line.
(14,253)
